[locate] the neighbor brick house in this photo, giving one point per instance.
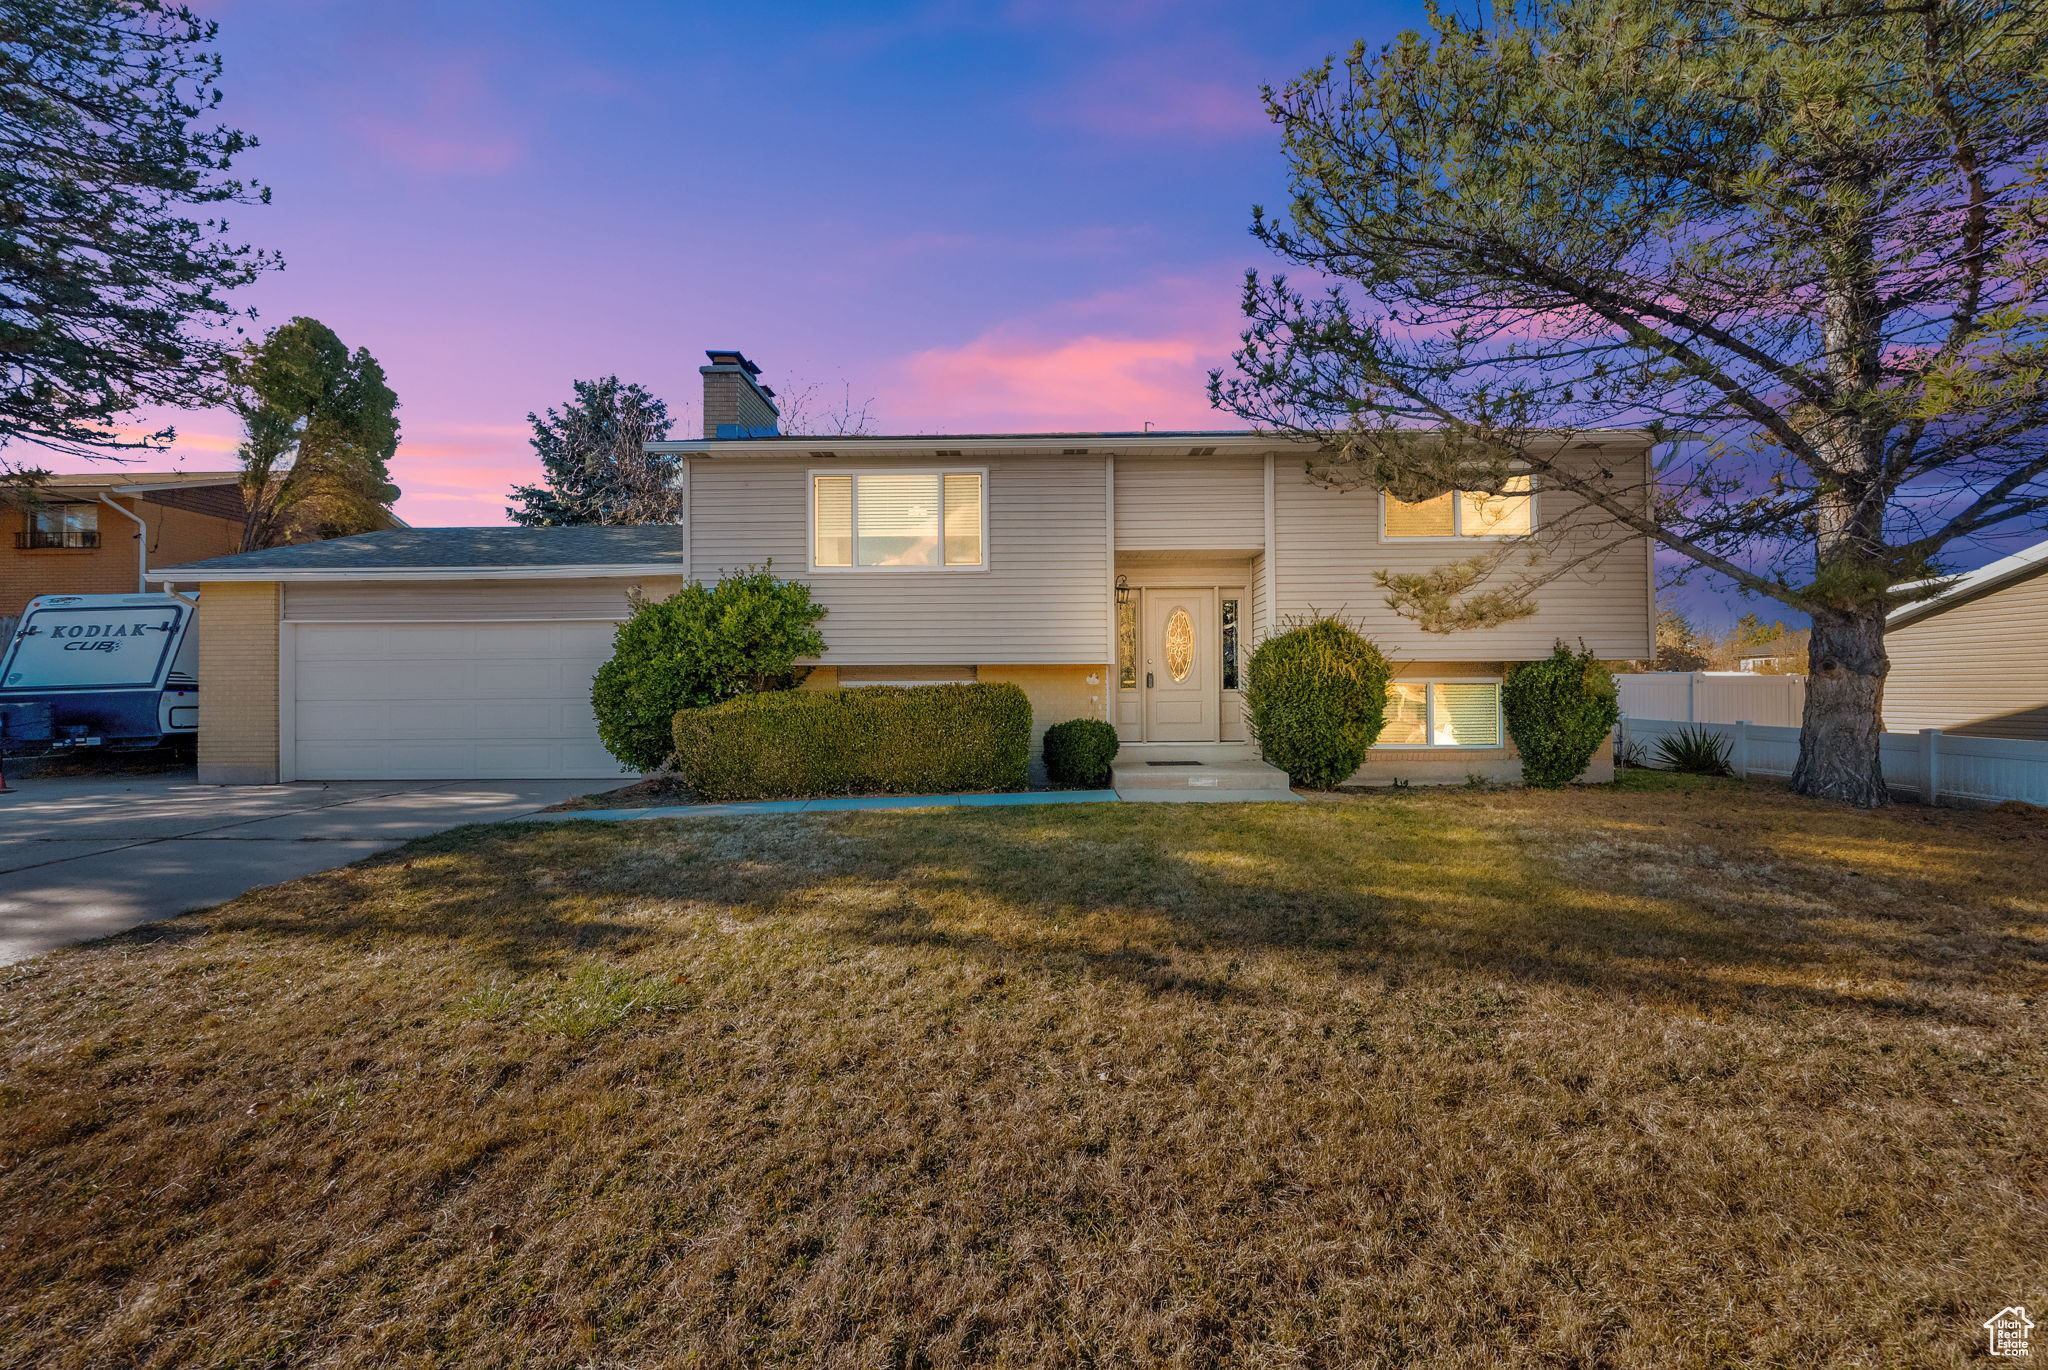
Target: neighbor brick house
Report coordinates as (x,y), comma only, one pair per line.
(97,534)
(1122,576)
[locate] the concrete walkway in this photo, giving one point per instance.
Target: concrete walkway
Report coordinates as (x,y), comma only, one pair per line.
(82,857)
(925,801)
(873,801)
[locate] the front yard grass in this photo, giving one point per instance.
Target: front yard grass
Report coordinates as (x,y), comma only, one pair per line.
(1667,1074)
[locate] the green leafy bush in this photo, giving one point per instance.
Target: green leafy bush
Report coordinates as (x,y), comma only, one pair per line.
(700,646)
(878,739)
(1316,699)
(1559,710)
(1079,752)
(1695,751)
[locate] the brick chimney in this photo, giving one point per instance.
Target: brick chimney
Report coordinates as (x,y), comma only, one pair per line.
(735,404)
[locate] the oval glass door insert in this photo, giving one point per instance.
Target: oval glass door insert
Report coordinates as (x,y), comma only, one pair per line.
(1180,644)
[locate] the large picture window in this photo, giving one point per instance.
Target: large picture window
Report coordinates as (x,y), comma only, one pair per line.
(897,520)
(1442,713)
(1464,514)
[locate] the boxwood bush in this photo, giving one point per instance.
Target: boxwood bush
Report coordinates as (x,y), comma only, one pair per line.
(1559,710)
(876,739)
(1079,752)
(699,646)
(1316,699)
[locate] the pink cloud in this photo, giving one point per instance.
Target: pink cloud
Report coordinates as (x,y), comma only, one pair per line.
(1117,360)
(1161,95)
(1082,383)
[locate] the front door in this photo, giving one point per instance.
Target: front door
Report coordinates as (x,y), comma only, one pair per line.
(1179,638)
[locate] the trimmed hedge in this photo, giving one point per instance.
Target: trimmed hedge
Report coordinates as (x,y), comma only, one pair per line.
(1316,700)
(875,739)
(1079,752)
(1559,710)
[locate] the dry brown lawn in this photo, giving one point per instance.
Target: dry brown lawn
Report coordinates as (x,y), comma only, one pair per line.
(1684,1074)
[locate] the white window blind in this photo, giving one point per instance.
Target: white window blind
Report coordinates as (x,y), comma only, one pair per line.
(1465,513)
(897,519)
(1442,713)
(832,521)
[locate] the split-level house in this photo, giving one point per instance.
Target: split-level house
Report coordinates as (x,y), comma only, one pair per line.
(1125,576)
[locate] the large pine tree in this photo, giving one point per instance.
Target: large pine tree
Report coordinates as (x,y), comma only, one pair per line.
(594,465)
(111,287)
(1806,235)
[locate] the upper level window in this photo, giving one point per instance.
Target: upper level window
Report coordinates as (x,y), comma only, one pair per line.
(63,525)
(1465,513)
(898,520)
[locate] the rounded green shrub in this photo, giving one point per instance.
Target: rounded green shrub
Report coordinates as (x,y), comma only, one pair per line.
(1559,710)
(700,646)
(1079,752)
(875,739)
(1315,698)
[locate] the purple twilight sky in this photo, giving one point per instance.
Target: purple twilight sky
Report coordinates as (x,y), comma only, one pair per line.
(985,215)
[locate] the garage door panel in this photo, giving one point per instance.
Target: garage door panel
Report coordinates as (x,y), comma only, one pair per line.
(507,678)
(500,719)
(429,641)
(441,701)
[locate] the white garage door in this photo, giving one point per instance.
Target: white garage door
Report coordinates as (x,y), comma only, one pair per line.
(447,701)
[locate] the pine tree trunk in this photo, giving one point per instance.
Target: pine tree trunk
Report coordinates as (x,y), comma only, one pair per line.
(1844,724)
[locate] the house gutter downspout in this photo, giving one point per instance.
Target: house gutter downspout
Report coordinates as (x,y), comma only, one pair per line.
(141,543)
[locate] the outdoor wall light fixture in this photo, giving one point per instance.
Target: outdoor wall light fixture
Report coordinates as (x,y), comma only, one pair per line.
(1123,590)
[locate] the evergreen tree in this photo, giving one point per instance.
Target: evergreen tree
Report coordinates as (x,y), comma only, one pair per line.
(594,464)
(110,291)
(1805,236)
(320,425)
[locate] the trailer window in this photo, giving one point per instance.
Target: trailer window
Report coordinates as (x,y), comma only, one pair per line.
(115,647)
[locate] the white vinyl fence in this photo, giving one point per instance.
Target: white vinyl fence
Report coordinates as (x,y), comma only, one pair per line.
(1714,697)
(1933,765)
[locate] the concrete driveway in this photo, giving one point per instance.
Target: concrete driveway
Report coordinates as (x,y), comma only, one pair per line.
(83,857)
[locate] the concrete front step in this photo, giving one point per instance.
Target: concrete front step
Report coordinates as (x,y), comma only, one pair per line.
(1187,751)
(1232,775)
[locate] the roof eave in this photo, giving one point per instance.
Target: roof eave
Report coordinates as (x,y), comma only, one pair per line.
(201,575)
(1997,575)
(1095,444)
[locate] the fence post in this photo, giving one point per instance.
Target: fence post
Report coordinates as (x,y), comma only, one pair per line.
(1692,685)
(1930,765)
(1738,755)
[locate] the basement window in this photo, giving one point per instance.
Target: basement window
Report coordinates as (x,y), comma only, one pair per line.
(1442,713)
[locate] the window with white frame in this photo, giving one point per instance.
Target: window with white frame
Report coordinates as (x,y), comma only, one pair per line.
(1442,713)
(1464,513)
(898,520)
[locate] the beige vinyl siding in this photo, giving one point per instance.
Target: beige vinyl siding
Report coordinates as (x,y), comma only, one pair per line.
(1979,668)
(1041,599)
(430,601)
(1329,546)
(1172,504)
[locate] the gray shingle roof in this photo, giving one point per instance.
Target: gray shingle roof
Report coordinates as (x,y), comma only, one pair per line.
(444,548)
